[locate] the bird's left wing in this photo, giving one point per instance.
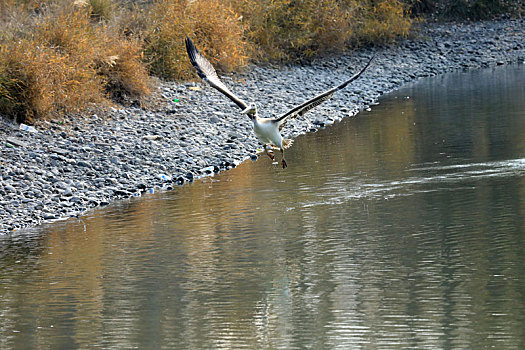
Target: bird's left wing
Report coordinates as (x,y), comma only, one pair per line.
(317,100)
(206,71)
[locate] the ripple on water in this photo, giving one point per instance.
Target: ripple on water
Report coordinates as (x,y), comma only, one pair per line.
(429,179)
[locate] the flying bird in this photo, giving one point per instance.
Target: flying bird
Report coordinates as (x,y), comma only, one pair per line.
(267,130)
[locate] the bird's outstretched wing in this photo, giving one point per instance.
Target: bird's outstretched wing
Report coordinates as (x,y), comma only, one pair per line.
(317,100)
(208,73)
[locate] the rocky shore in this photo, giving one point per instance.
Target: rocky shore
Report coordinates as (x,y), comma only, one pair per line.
(68,166)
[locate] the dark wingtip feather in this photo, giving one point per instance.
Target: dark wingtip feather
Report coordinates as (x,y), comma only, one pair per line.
(190,49)
(206,71)
(192,54)
(358,74)
(370,60)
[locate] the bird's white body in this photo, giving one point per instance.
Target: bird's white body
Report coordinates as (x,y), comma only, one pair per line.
(267,131)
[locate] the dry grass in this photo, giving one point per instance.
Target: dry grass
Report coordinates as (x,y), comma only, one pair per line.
(61,56)
(42,82)
(383,22)
(101,9)
(214,26)
(123,73)
(285,30)
(63,62)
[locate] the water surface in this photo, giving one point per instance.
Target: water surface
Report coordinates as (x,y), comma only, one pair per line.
(401,228)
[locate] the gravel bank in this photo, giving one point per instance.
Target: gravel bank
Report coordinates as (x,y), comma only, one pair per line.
(72,165)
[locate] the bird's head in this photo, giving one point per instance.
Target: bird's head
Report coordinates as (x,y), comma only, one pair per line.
(251,110)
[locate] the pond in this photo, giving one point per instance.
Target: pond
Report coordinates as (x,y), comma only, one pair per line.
(403,227)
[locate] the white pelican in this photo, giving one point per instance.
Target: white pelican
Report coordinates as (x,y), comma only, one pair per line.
(267,130)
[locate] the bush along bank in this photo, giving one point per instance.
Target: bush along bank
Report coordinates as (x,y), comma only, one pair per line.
(61,56)
(71,165)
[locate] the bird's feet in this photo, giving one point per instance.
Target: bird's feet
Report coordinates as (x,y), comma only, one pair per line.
(270,154)
(283,162)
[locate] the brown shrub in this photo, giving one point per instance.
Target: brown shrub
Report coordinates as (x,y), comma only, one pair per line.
(290,29)
(286,29)
(65,62)
(61,55)
(165,27)
(101,9)
(40,82)
(123,71)
(382,22)
(216,28)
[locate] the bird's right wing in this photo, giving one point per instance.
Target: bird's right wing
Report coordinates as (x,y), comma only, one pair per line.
(317,100)
(206,71)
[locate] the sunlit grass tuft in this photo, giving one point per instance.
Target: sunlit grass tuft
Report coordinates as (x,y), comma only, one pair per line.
(101,9)
(63,63)
(214,26)
(285,30)
(41,82)
(383,22)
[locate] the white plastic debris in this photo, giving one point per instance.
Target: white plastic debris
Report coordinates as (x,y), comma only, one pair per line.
(27,128)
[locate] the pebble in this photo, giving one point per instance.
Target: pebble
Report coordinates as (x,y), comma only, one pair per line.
(65,168)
